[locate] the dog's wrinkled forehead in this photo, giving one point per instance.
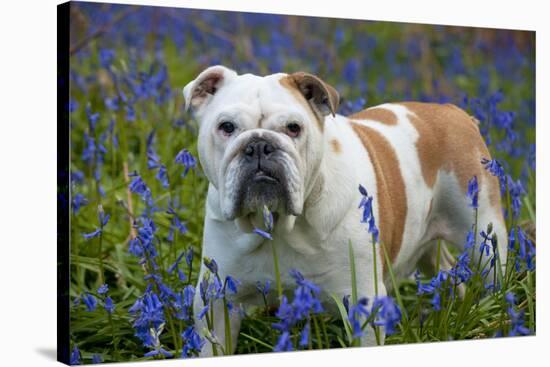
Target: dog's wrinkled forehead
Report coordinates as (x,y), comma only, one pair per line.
(218,86)
(260,97)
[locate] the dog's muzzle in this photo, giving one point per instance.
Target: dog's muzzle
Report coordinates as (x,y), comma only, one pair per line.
(262,178)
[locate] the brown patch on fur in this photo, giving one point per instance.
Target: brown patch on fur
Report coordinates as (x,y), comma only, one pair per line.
(392,198)
(382,115)
(336,147)
(449,140)
(288,82)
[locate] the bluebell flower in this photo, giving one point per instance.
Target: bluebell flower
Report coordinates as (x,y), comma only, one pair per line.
(185,158)
(89,151)
(188,295)
(516,318)
(303,282)
(495,168)
(162,176)
(189,256)
(130,113)
(90,301)
(211,265)
(193,343)
(109,305)
(174,266)
(304,335)
(231,283)
(96,358)
(148,313)
(473,192)
(159,351)
(345,302)
(263,234)
(436,301)
(106,57)
(512,239)
(103,218)
(139,187)
(73,105)
(356,314)
(284,344)
(112,104)
(203,311)
(92,118)
(516,192)
(93,234)
(103,289)
(263,288)
(388,314)
(304,304)
(368,215)
(487,239)
(78,201)
(77,177)
(75,357)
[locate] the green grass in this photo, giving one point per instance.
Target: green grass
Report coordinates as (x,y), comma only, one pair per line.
(105,259)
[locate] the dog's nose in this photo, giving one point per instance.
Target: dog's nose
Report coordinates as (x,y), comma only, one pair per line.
(259,148)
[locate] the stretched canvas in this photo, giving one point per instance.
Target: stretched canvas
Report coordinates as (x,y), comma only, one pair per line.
(237,183)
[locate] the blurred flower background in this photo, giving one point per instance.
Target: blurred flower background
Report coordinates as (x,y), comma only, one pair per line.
(138,192)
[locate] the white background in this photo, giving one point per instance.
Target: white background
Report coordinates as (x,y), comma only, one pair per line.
(28,181)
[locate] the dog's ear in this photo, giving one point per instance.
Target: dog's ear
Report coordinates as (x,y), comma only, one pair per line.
(199,91)
(322,97)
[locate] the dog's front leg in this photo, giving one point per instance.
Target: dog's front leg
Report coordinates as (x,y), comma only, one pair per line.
(210,324)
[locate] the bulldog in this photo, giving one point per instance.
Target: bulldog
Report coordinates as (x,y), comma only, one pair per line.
(278,141)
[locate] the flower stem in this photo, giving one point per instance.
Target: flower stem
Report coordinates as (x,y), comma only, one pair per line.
(228,341)
(277,272)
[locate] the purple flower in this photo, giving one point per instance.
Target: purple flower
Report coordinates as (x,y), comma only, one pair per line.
(185,158)
(106,57)
(90,302)
(304,335)
(231,283)
(174,266)
(96,358)
(304,304)
(148,312)
(78,201)
(388,314)
(103,289)
(75,357)
(263,289)
(109,305)
(473,192)
(368,215)
(193,343)
(93,234)
(355,314)
(263,234)
(516,318)
(139,187)
(284,344)
(211,265)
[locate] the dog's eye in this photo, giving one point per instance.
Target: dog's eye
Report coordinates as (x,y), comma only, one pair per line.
(227,128)
(293,129)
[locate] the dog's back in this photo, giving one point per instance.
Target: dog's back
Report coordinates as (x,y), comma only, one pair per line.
(424,156)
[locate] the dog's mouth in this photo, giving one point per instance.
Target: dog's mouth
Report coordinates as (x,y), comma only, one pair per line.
(262,177)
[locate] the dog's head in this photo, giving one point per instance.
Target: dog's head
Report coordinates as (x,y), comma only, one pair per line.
(261,138)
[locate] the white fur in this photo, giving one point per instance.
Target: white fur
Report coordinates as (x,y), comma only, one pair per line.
(315,242)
